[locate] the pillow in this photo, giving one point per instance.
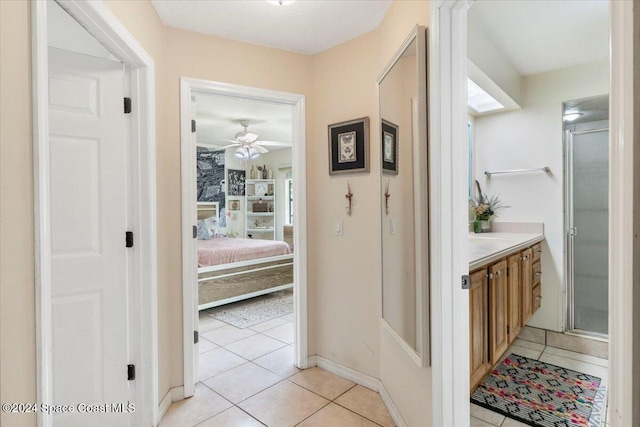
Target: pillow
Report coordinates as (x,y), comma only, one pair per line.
(204,233)
(212,225)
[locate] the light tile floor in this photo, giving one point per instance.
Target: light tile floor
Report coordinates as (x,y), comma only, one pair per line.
(481,417)
(247,378)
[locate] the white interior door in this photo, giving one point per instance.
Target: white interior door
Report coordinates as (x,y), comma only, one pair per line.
(88,225)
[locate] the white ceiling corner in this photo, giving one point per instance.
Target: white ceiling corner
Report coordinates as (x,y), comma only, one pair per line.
(305,26)
(539,36)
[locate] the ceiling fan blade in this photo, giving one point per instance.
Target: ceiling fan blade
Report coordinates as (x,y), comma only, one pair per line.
(233,141)
(229,146)
(273,143)
(260,149)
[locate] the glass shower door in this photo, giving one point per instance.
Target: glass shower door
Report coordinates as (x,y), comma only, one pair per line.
(589,230)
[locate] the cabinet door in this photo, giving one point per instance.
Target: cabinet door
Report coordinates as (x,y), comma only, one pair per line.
(498,309)
(478,327)
(514,291)
(527,286)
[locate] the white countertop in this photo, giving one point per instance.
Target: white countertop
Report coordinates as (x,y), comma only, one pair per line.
(485,248)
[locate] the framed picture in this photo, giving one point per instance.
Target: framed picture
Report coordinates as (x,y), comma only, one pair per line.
(389,143)
(235,182)
(262,188)
(234,205)
(349,146)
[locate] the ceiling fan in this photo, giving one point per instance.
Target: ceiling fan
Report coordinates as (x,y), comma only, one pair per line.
(248,145)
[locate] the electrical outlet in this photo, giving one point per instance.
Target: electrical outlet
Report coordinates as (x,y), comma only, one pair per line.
(338,227)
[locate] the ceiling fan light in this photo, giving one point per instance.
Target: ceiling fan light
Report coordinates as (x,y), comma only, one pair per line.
(253,153)
(240,153)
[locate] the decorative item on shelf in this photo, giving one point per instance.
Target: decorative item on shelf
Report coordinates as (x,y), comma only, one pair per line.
(260,206)
(234,205)
(264,171)
(258,172)
(252,173)
(269,173)
(270,207)
(387,195)
(484,208)
(349,197)
(261,189)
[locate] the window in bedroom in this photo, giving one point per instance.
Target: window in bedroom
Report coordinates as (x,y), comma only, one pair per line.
(288,193)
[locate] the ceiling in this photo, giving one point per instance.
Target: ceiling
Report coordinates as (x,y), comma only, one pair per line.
(540,36)
(305,26)
(218,117)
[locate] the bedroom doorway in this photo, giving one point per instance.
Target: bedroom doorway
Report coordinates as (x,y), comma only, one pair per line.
(244,259)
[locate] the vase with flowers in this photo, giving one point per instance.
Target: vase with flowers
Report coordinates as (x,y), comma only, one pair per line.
(484,208)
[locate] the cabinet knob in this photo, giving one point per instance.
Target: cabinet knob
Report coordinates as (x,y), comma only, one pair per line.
(539,251)
(538,273)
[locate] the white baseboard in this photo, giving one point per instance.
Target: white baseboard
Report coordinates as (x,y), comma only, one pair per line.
(362,379)
(173,395)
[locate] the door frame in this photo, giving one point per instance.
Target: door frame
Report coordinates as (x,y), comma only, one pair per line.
(140,81)
(188,178)
(623,368)
(450,329)
(569,299)
(449,211)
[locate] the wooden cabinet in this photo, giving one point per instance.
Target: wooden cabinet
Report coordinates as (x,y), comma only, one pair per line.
(478,327)
(502,298)
(527,286)
(498,309)
(514,295)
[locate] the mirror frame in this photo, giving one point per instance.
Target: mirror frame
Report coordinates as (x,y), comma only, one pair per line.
(421,192)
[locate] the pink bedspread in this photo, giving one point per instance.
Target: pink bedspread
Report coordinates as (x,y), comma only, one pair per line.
(224,250)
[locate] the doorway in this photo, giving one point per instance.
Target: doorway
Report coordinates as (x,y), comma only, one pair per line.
(587,215)
(95,255)
(241,207)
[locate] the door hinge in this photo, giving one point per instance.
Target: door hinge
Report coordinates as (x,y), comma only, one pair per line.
(131,372)
(129,239)
(466,282)
(195,232)
(193,126)
(127,105)
(196,337)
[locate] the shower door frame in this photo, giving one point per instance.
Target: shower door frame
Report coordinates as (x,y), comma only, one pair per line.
(570,233)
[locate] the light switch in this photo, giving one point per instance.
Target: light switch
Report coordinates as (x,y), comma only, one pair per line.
(338,227)
(392,226)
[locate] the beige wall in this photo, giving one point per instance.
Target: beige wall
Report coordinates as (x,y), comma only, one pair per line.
(343,288)
(17,303)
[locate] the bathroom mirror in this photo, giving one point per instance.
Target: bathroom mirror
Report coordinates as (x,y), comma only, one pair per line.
(402,90)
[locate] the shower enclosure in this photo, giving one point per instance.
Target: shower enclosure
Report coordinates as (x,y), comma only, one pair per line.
(587,224)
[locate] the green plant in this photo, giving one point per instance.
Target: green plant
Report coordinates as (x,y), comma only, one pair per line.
(484,207)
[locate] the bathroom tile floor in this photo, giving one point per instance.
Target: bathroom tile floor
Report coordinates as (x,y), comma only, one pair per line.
(481,417)
(247,378)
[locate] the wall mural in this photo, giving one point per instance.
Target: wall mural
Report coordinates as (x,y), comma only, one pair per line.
(211,182)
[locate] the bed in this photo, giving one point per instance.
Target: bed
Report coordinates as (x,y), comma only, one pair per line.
(234,269)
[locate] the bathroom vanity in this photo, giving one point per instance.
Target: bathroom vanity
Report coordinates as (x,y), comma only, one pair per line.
(505,292)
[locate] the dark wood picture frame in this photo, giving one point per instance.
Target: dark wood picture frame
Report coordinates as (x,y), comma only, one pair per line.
(389,143)
(349,147)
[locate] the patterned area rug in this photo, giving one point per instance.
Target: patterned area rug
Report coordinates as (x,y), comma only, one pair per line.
(244,314)
(541,394)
